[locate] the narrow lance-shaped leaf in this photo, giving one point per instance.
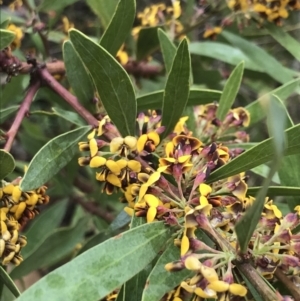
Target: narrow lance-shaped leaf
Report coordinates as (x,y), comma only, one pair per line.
(230,91)
(119,27)
(177,88)
(52,157)
(6,37)
(168,49)
(223,52)
(245,227)
(103,9)
(5,279)
(147,42)
(7,164)
(196,97)
(261,153)
(161,281)
(55,247)
(283,92)
(132,289)
(111,80)
(284,39)
(288,172)
(77,75)
(95,273)
(276,190)
(260,57)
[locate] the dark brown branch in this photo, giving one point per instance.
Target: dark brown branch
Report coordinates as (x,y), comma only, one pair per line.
(92,208)
(291,287)
(67,96)
(23,110)
(57,67)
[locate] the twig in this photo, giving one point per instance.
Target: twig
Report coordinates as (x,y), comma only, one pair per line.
(291,287)
(57,67)
(67,96)
(252,275)
(94,209)
(23,110)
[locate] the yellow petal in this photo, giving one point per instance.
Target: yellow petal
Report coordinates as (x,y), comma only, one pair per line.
(134,165)
(192,263)
(113,167)
(8,189)
(205,189)
(151,213)
(129,211)
(184,159)
(154,137)
(238,289)
(219,286)
(141,142)
(207,293)
(131,142)
(91,135)
(189,288)
(93,147)
(116,144)
(209,274)
(185,245)
(143,190)
(114,180)
(97,161)
(151,200)
(16,194)
(153,178)
(122,163)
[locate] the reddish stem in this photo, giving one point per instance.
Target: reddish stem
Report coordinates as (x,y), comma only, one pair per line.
(23,110)
(68,97)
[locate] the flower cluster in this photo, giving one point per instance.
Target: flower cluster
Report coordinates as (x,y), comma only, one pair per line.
(139,167)
(160,14)
(272,11)
(16,207)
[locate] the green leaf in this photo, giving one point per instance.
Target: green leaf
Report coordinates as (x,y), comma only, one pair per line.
(264,170)
(276,190)
(6,37)
(260,57)
(49,219)
(160,281)
(284,39)
(5,113)
(276,123)
(52,157)
(5,279)
(120,221)
(223,52)
(147,42)
(96,272)
(55,247)
(177,88)
(5,23)
(289,172)
(7,164)
(168,49)
(111,80)
(230,91)
(55,5)
(261,153)
(69,115)
(103,9)
(283,92)
(78,76)
(119,27)
(196,97)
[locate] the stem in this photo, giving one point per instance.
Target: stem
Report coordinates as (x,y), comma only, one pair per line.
(294,291)
(23,110)
(262,288)
(68,97)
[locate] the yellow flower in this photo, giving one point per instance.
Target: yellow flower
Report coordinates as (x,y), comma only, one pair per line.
(123,146)
(212,32)
(122,55)
(237,289)
(16,43)
(148,142)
